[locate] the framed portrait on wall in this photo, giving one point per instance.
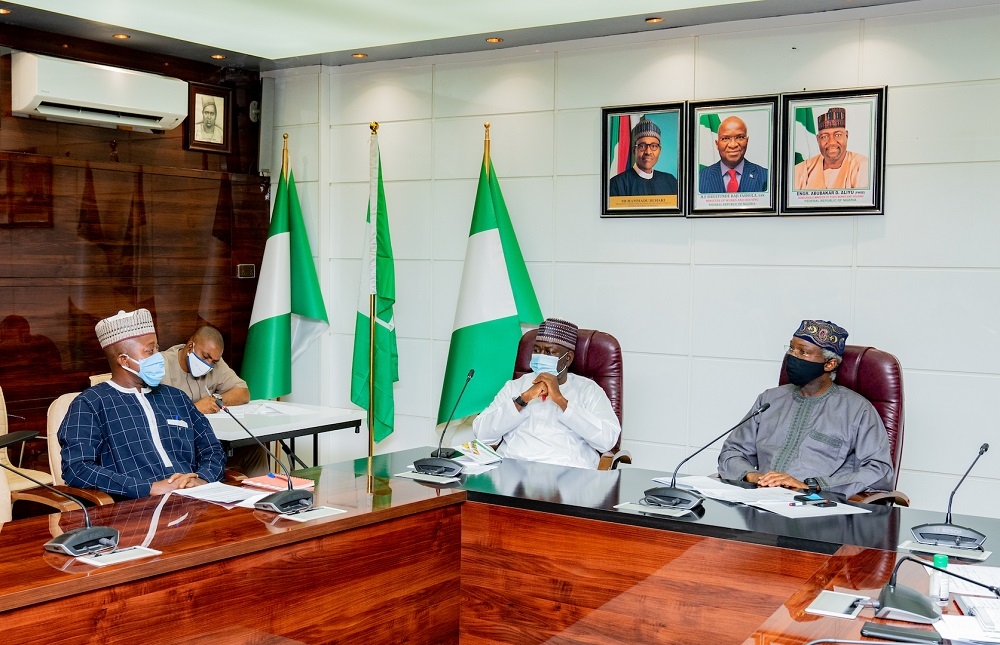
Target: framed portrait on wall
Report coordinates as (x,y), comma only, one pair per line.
(642,160)
(209,122)
(833,151)
(733,157)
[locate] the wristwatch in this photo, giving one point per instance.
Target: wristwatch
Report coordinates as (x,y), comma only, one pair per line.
(519,401)
(812,483)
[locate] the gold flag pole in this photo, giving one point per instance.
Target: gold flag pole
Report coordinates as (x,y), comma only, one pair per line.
(284,157)
(486,149)
(371,338)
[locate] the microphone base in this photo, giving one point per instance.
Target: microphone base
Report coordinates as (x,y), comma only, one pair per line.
(286,502)
(902,603)
(437,466)
(83,541)
(950,535)
(673,497)
(444,453)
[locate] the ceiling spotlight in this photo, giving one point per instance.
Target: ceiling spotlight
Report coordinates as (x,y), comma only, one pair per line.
(359,55)
(494,40)
(219,56)
(121,36)
(654,20)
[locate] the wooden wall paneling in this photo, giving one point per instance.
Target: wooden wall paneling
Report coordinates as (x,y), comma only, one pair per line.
(528,577)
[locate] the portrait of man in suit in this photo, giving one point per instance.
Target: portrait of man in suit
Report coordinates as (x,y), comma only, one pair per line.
(733,173)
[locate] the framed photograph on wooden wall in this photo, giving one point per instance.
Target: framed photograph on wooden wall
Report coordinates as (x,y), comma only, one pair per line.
(733,157)
(210,116)
(643,148)
(833,151)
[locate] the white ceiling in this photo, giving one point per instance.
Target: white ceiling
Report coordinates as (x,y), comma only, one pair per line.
(267,34)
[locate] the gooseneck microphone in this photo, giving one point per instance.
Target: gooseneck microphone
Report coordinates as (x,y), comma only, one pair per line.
(440,462)
(897,602)
(948,534)
(286,502)
(81,541)
(679,498)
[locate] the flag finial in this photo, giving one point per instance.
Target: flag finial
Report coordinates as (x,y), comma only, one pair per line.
(374,127)
(486,149)
(284,156)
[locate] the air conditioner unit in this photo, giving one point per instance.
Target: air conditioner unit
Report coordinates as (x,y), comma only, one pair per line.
(66,90)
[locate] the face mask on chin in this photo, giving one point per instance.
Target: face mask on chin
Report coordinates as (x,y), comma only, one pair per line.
(802,372)
(197,366)
(151,368)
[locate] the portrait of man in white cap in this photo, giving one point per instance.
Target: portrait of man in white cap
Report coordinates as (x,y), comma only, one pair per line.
(209,126)
(641,178)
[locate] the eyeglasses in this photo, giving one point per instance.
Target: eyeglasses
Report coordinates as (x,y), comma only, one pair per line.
(739,138)
(652,147)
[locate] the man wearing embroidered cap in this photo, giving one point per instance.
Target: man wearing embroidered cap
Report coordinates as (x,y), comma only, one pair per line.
(816,434)
(641,179)
(130,436)
(835,166)
(549,414)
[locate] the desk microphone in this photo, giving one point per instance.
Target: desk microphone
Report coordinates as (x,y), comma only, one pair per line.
(81,541)
(679,498)
(949,534)
(897,602)
(287,502)
(440,462)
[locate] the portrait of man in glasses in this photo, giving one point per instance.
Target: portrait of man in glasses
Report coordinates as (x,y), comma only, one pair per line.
(733,173)
(640,179)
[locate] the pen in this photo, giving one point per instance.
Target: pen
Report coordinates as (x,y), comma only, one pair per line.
(277,476)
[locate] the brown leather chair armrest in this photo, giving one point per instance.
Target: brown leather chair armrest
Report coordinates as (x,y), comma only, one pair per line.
(48,498)
(610,460)
(234,477)
(882,497)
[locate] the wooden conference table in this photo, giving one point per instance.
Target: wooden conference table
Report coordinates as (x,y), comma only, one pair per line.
(536,554)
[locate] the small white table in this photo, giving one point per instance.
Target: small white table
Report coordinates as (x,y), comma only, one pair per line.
(278,421)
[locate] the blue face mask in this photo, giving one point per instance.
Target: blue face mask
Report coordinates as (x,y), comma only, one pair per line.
(546,364)
(151,369)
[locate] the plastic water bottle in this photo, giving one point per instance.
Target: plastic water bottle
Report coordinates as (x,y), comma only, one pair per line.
(939,588)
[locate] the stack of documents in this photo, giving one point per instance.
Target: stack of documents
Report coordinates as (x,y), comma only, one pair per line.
(981,622)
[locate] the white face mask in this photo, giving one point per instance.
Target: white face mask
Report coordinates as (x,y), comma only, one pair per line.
(198,367)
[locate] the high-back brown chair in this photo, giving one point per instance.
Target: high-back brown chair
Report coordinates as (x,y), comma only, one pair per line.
(598,356)
(877,376)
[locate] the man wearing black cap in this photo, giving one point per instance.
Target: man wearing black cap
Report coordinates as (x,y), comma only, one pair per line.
(549,414)
(816,434)
(641,179)
(835,166)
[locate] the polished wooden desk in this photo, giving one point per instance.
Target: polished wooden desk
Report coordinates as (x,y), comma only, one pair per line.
(291,420)
(385,571)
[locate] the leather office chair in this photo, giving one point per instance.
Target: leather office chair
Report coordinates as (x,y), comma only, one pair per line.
(598,356)
(57,411)
(877,376)
(99,378)
(15,482)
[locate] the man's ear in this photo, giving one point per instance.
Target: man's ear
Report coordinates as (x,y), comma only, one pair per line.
(572,355)
(836,364)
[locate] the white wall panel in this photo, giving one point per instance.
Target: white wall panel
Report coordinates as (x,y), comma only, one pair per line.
(952,225)
(504,85)
(412,392)
(646,307)
(932,47)
(578,142)
(520,146)
(346,222)
(447,282)
(410,432)
(788,59)
(656,398)
(349,153)
(405,149)
(723,391)
(338,394)
(296,103)
(342,300)
(783,241)
(453,203)
(585,237)
(529,204)
(654,456)
(414,289)
(397,94)
(752,312)
(303,152)
(408,206)
(648,73)
(947,309)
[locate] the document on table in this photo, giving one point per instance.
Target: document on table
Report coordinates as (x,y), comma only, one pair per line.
(807,510)
(978,572)
(964,629)
(223,494)
(718,489)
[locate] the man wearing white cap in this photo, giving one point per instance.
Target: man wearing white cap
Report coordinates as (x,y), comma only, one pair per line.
(130,436)
(549,414)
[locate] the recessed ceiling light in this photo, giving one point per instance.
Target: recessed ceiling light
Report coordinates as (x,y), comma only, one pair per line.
(359,55)
(121,36)
(494,39)
(4,11)
(654,20)
(219,56)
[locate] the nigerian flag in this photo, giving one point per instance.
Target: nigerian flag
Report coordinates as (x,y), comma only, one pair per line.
(288,310)
(378,279)
(495,298)
(804,137)
(708,152)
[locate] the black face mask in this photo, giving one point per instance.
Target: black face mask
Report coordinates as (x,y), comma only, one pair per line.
(801,372)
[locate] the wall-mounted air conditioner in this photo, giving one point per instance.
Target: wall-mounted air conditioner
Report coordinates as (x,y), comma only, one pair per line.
(66,90)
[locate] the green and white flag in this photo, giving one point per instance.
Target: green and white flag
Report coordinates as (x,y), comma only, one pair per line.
(804,136)
(708,152)
(288,310)
(495,299)
(378,278)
